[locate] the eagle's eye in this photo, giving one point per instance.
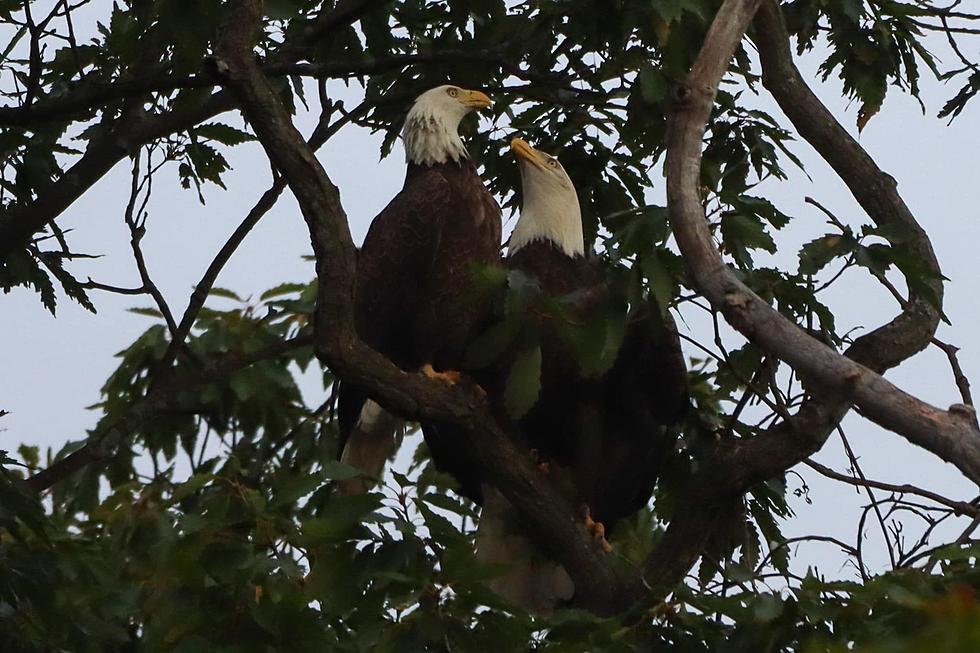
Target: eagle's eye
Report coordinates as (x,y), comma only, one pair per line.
(453,92)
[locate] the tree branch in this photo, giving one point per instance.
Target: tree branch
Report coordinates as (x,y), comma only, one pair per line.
(733,466)
(959,507)
(19,223)
(950,435)
(321,134)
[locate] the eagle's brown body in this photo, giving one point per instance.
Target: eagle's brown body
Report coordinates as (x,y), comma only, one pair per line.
(605,438)
(610,432)
(414,272)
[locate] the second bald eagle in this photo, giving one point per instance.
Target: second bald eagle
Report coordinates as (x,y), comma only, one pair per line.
(604,431)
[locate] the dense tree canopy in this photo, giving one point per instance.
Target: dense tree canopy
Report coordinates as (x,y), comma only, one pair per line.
(198,514)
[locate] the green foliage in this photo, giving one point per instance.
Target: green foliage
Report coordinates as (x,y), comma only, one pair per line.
(211,526)
(523,381)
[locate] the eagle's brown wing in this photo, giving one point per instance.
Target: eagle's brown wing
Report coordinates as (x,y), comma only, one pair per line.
(395,264)
(413,273)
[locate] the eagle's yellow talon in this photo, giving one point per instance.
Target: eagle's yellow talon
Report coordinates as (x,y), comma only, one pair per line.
(597,529)
(452,377)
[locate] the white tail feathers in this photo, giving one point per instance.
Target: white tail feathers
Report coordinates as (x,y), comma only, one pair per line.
(533,582)
(374,439)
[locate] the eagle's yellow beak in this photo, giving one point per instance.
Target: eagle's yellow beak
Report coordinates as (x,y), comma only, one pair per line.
(520,148)
(475,99)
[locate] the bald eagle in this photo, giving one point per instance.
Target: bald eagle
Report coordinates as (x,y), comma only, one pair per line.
(603,437)
(414,269)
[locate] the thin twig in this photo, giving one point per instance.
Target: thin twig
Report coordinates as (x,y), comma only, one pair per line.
(959,507)
(962,382)
(871,497)
(137,229)
(95,285)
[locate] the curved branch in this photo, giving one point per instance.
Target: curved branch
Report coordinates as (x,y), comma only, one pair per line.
(875,190)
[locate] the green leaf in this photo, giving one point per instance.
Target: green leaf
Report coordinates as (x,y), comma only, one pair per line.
(671,10)
(283,9)
(742,233)
(282,289)
(653,85)
(663,285)
(767,608)
(295,489)
(222,133)
(522,291)
(523,381)
(492,343)
(29,454)
(334,470)
(597,340)
(816,254)
(224,292)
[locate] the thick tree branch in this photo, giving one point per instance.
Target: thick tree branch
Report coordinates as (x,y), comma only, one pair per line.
(89,96)
(875,190)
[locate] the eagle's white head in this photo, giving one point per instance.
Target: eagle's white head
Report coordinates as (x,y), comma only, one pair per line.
(431,129)
(550,210)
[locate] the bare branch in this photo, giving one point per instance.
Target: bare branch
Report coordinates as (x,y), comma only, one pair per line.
(959,507)
(95,285)
(117,141)
(321,134)
(962,382)
(137,229)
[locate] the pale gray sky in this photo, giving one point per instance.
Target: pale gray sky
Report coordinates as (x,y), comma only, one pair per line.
(53,367)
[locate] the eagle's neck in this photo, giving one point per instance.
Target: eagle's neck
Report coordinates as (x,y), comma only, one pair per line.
(431,137)
(555,223)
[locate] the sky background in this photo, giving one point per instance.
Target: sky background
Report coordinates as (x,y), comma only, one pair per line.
(52,368)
